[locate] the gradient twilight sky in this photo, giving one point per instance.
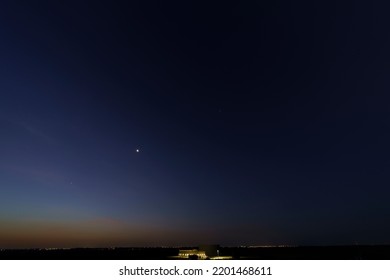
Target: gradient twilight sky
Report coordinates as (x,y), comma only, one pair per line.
(258,122)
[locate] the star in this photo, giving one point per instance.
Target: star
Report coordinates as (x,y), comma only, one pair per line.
(137,150)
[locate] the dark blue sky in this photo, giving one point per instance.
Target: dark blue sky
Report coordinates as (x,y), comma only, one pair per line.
(257,123)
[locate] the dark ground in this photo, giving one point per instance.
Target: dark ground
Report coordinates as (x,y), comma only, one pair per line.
(268,253)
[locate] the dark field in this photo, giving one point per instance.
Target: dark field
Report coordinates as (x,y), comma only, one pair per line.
(261,253)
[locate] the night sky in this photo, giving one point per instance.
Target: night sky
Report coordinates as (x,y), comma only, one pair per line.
(256,123)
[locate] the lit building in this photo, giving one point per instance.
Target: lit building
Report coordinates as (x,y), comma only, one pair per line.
(186,254)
